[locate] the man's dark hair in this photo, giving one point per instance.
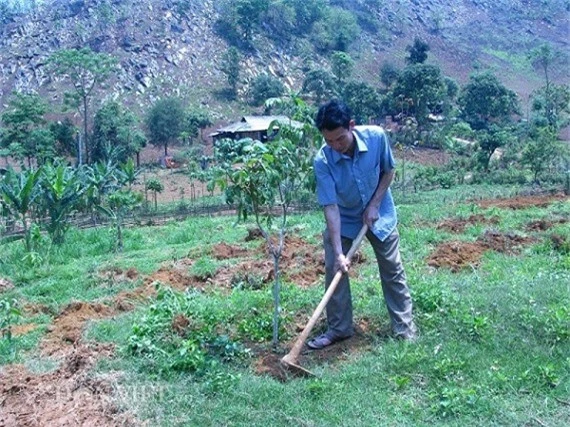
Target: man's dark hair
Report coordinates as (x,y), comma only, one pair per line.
(332,115)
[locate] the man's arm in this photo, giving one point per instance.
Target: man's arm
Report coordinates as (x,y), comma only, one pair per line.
(332,216)
(370,215)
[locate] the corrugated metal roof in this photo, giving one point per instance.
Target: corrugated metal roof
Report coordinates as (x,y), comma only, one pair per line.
(255,124)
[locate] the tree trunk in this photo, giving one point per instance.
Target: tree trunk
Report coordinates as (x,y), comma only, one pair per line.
(85,142)
(276,300)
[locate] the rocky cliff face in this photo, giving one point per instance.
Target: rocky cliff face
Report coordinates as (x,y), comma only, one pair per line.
(170,47)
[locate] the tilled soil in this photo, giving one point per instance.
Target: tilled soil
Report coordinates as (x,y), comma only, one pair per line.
(457,255)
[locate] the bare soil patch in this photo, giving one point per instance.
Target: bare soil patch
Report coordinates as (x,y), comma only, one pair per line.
(269,362)
(457,255)
(458,225)
(67,328)
(522,202)
(68,396)
(18,330)
(543,224)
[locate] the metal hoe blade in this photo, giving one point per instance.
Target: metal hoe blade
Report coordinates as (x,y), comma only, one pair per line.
(295,368)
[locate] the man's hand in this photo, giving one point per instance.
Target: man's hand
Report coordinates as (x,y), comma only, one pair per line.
(342,263)
(370,216)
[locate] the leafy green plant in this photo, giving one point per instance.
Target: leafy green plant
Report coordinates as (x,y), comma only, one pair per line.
(261,178)
(9,314)
(452,400)
(118,205)
(204,268)
(19,191)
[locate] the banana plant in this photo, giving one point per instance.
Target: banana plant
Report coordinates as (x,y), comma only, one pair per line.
(61,190)
(118,205)
(128,173)
(19,191)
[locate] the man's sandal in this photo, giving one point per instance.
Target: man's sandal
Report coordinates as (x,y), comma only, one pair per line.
(323,341)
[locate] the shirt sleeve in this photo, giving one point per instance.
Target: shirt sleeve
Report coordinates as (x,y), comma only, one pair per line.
(386,158)
(326,190)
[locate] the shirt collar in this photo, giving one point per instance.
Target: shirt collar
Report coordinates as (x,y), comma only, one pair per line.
(360,145)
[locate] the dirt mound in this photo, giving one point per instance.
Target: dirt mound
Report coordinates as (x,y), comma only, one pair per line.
(458,225)
(225,251)
(253,234)
(508,243)
(68,396)
(116,274)
(543,225)
(5,285)
(67,328)
(457,255)
(522,202)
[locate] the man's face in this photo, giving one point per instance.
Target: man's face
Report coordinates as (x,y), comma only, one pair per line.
(340,139)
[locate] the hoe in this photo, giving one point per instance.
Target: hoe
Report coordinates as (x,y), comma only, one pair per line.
(289,361)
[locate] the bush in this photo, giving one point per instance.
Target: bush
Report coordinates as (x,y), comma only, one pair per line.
(265,86)
(510,175)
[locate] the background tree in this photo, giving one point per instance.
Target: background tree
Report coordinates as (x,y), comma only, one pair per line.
(341,66)
(336,31)
(279,20)
(363,99)
(388,74)
(307,13)
(540,151)
(417,52)
(86,70)
(165,122)
(545,58)
(551,107)
(231,68)
(65,134)
(265,86)
(154,185)
(484,100)
(196,120)
(23,119)
(320,83)
(115,134)
(424,86)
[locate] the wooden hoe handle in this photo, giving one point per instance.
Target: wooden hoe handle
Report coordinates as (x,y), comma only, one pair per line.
(296,350)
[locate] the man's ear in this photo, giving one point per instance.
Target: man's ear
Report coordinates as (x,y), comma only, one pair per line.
(351,125)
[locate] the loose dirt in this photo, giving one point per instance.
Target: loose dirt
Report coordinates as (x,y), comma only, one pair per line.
(67,328)
(269,363)
(522,202)
(457,255)
(68,396)
(18,330)
(458,225)
(543,225)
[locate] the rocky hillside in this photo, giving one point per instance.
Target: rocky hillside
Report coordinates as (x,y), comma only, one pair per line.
(170,46)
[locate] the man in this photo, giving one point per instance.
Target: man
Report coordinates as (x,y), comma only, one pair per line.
(354,170)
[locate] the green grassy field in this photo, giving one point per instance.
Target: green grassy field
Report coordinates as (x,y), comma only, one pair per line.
(494,344)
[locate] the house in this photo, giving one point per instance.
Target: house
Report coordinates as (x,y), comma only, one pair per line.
(254,127)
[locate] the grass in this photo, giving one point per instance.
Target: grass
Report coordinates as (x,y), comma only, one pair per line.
(494,345)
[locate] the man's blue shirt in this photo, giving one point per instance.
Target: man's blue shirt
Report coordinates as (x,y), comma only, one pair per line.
(350,182)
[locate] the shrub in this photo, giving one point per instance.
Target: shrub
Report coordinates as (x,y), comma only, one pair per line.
(265,86)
